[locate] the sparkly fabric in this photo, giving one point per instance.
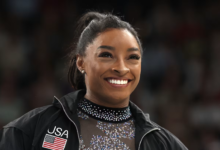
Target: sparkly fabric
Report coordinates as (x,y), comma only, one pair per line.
(104,113)
(98,134)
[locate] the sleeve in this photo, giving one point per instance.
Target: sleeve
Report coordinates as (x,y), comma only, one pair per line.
(14,139)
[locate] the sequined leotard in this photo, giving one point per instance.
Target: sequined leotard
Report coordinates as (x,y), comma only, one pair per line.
(104,128)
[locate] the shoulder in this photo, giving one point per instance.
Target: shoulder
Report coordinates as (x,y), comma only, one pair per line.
(18,134)
(154,136)
(27,123)
(167,140)
(172,140)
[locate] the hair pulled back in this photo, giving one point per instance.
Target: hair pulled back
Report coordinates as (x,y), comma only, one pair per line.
(89,26)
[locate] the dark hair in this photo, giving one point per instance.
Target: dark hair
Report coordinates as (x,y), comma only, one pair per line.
(89,26)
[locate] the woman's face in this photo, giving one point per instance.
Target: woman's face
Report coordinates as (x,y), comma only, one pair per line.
(113,65)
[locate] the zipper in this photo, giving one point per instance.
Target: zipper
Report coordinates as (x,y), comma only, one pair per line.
(154,129)
(69,119)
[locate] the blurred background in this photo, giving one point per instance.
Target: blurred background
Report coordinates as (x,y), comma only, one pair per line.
(180,85)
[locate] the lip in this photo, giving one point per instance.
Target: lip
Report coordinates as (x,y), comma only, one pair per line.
(118,85)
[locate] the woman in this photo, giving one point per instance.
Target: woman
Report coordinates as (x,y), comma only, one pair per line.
(104,70)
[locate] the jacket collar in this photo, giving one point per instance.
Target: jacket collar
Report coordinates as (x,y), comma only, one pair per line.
(142,120)
(143,124)
(69,104)
(71,100)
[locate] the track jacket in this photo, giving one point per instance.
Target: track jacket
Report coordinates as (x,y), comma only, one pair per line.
(58,123)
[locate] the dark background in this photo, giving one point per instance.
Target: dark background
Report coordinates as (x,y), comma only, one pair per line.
(180,85)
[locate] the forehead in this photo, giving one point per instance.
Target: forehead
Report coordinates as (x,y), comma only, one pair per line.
(117,38)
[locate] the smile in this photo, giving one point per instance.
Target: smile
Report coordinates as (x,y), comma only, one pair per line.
(118,82)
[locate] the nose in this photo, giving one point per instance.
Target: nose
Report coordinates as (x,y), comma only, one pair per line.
(120,68)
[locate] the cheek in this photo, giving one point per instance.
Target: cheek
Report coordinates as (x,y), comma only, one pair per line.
(94,73)
(136,70)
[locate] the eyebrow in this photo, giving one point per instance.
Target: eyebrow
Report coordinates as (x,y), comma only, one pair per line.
(133,49)
(112,48)
(106,47)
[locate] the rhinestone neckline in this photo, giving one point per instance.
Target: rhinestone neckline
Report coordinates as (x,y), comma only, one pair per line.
(104,113)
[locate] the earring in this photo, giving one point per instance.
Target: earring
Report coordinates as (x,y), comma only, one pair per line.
(82,71)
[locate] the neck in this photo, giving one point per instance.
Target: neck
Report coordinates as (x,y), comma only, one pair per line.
(106,101)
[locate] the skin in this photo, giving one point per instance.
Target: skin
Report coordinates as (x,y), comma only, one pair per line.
(116,54)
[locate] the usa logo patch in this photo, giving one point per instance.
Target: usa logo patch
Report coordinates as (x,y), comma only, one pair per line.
(54,143)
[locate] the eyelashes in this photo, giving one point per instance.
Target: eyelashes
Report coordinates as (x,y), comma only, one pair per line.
(134,57)
(109,55)
(105,54)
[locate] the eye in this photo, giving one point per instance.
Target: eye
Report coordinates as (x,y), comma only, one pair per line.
(134,57)
(105,54)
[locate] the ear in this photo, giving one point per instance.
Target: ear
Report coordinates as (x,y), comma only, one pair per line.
(80,63)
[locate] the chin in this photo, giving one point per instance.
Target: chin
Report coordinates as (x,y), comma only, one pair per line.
(119,97)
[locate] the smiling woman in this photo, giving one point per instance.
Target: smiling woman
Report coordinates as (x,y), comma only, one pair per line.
(112,60)
(104,70)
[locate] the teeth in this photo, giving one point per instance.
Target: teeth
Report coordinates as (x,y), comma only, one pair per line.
(114,81)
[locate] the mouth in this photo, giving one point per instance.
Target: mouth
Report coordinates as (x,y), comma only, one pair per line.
(118,82)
